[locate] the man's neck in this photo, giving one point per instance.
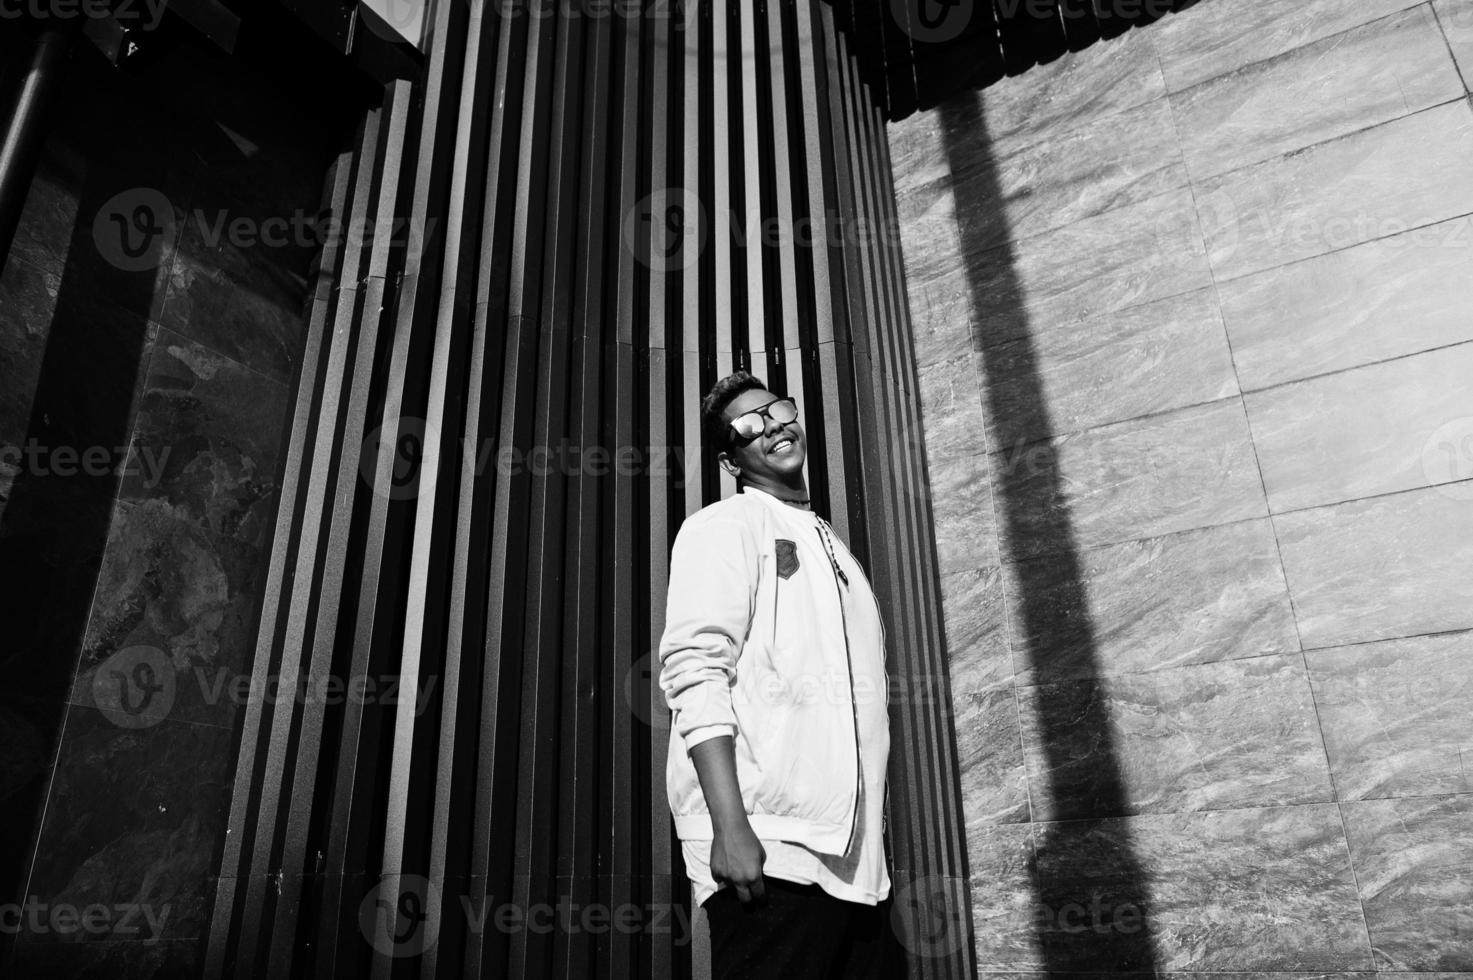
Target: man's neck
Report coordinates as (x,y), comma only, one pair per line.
(795,494)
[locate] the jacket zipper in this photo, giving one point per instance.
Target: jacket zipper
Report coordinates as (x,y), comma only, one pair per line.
(853,708)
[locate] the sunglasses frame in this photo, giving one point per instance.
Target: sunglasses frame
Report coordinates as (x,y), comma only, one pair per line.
(735,438)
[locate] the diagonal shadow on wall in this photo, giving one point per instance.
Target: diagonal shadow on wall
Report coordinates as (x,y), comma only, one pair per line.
(1092,896)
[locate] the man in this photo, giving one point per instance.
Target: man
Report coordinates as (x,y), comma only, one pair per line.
(773,664)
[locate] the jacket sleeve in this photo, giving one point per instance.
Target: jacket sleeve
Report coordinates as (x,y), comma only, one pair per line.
(713,589)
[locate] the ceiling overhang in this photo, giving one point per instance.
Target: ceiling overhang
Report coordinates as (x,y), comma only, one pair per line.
(914,54)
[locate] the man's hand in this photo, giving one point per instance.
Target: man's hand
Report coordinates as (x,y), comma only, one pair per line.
(737,858)
(737,855)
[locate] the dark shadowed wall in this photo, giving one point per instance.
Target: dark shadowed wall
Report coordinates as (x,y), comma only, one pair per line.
(146,374)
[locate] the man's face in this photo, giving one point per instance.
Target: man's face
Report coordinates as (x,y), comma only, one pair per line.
(777,453)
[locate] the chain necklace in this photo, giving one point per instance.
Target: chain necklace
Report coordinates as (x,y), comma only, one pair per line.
(824,532)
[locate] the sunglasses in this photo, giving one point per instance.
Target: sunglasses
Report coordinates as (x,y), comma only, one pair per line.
(749,425)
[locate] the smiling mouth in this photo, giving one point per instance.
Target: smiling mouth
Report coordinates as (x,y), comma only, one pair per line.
(783,445)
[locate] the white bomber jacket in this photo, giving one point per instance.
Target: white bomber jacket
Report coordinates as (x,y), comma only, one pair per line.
(763,657)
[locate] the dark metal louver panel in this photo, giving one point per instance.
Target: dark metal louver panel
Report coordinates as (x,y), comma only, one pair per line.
(583,222)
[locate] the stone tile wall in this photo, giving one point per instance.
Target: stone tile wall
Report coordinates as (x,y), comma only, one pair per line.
(1194,318)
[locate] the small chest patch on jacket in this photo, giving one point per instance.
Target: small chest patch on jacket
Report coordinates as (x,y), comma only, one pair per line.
(787,558)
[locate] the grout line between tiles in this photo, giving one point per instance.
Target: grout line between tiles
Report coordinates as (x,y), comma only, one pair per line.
(1389,639)
(1435,487)
(1359,367)
(1442,29)
(1411,5)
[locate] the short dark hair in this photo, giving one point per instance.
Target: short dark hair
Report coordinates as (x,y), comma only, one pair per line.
(722,394)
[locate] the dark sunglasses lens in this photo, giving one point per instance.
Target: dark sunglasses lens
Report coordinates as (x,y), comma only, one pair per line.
(783,411)
(748,426)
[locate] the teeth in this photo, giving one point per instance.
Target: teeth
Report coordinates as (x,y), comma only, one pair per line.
(782,445)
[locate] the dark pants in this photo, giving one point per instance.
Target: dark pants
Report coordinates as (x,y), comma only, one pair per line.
(801,932)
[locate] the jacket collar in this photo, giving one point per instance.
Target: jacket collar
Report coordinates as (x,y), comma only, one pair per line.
(773,501)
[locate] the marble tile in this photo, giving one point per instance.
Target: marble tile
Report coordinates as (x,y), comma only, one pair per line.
(1348,82)
(941,319)
(1103,164)
(984,714)
(27,304)
(1126,257)
(951,407)
(963,515)
(165,596)
(1000,859)
(1203,737)
(972,606)
(994,786)
(929,238)
(1211,39)
(1197,597)
(137,813)
(1093,904)
(241,297)
(1105,78)
(940,310)
(1148,359)
(1139,479)
(1371,430)
(1383,299)
(1456,19)
(208,433)
(917,152)
(1414,863)
(1231,891)
(1415,171)
(1395,715)
(1379,569)
(189,541)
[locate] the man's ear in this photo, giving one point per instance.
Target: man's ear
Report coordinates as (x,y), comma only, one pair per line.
(726,464)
